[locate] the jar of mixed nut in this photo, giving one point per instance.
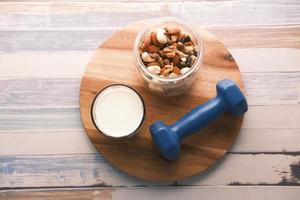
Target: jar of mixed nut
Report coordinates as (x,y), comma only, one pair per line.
(168,54)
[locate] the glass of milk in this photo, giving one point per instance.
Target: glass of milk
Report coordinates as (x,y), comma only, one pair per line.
(118,111)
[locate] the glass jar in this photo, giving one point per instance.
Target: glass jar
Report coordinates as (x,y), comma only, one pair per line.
(169,86)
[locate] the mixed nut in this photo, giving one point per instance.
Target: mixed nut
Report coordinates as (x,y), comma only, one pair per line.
(168,52)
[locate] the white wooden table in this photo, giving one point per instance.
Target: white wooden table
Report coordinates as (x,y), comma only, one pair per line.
(44,49)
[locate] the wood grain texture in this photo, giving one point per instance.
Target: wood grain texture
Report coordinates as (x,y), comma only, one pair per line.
(167,192)
(249,140)
(93,170)
(120,14)
(87,40)
(63,93)
(142,158)
(262,131)
(261,117)
(68,64)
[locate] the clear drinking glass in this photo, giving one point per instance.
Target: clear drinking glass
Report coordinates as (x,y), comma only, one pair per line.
(169,86)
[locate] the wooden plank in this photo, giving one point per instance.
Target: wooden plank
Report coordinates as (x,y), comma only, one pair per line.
(261,89)
(88,40)
(253,14)
(267,140)
(74,194)
(121,13)
(286,116)
(277,117)
(272,88)
(167,192)
(40,119)
(267,59)
(93,170)
(41,142)
(258,36)
(39,93)
(68,64)
(24,41)
(64,64)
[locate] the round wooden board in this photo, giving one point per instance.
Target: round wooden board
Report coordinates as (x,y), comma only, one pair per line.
(138,156)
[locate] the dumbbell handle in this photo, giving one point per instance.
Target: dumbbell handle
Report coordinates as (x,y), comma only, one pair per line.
(198,118)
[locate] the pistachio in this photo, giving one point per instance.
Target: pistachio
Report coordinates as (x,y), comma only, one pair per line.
(146,43)
(154,39)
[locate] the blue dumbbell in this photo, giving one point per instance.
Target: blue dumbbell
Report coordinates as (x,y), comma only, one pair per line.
(167,137)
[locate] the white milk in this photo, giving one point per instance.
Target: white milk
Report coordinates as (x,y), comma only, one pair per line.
(118,111)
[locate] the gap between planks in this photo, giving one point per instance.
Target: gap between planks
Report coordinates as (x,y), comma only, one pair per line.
(93,170)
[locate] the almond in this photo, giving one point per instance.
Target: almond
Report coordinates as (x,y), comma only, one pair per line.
(153,49)
(154,39)
(146,43)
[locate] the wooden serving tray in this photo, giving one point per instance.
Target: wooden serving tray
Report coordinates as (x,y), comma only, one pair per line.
(138,156)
